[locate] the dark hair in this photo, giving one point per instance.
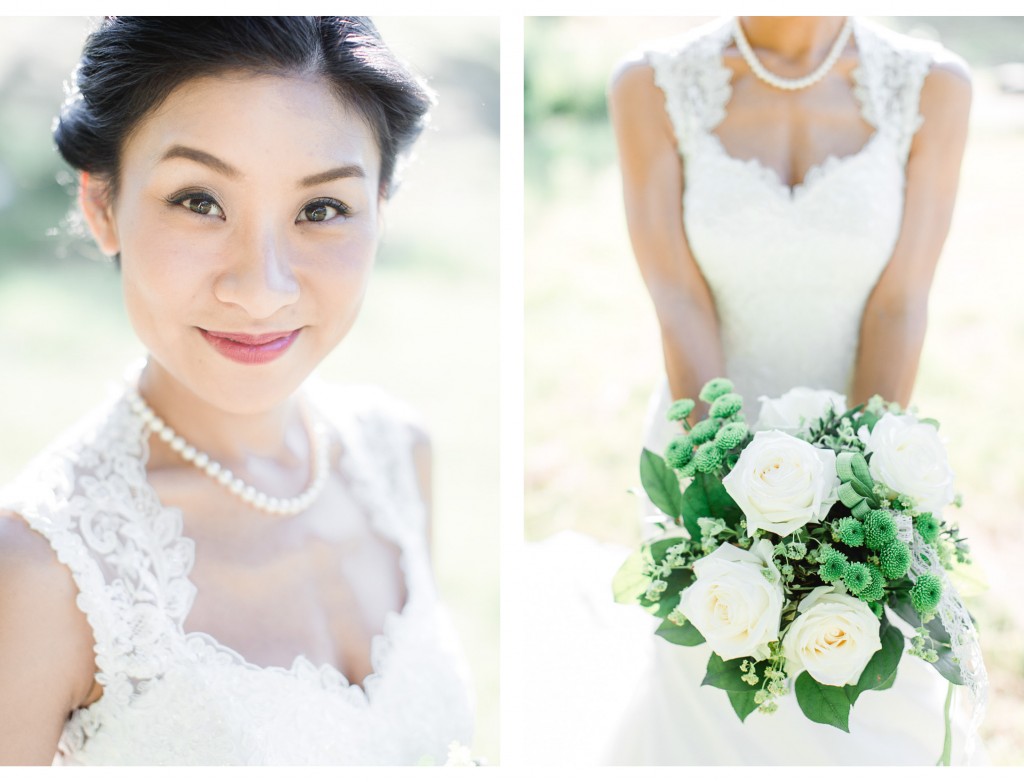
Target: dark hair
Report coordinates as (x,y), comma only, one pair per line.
(130,64)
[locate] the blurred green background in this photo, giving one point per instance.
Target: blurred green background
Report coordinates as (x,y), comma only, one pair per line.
(428,331)
(592,343)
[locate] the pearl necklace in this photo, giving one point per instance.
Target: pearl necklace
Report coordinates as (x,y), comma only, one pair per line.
(792,84)
(246,493)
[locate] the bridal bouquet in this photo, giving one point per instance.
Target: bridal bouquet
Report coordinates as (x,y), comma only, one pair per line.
(789,547)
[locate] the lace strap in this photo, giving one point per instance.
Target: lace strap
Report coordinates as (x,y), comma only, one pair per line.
(378,437)
(696,83)
(888,81)
(89,497)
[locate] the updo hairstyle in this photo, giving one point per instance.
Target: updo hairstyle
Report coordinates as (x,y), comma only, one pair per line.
(130,64)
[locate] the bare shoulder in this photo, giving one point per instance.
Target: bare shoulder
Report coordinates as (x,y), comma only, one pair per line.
(37,593)
(45,642)
(950,68)
(633,82)
(946,92)
(29,570)
(632,72)
(638,110)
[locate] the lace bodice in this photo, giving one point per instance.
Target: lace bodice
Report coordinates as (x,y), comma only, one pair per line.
(177,697)
(790,269)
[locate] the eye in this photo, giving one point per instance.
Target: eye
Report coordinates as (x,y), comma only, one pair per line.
(200,203)
(322,210)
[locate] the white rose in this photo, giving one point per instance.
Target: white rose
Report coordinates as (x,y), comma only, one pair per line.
(781,483)
(796,411)
(833,637)
(908,457)
(734,606)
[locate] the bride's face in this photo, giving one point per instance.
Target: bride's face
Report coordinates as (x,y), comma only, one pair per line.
(247,217)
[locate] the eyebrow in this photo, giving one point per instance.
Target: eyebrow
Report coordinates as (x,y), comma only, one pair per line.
(342,172)
(214,162)
(203,158)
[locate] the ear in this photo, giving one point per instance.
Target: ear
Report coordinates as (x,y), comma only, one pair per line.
(94,199)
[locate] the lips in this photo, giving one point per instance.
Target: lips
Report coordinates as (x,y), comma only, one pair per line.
(251,348)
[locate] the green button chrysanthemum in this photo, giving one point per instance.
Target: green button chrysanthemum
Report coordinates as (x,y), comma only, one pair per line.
(726,405)
(926,593)
(927,527)
(680,409)
(875,589)
(707,458)
(715,388)
(731,435)
(679,452)
(850,531)
(688,470)
(857,577)
(703,431)
(895,559)
(881,529)
(833,564)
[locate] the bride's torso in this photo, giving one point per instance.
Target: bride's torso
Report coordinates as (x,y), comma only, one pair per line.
(315,639)
(792,202)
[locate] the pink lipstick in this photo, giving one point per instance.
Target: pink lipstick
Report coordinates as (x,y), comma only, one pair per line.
(250,348)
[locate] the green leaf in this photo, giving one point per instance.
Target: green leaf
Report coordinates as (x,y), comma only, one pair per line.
(661,484)
(887,683)
(707,497)
(743,704)
(629,582)
(904,609)
(725,674)
(947,666)
(822,703)
(883,663)
(869,420)
(677,581)
(659,548)
(687,635)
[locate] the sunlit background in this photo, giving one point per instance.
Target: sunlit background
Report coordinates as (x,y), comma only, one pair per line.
(593,347)
(428,331)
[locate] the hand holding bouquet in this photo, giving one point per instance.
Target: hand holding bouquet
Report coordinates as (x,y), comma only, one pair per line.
(789,546)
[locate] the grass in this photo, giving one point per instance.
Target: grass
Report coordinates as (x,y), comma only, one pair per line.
(593,346)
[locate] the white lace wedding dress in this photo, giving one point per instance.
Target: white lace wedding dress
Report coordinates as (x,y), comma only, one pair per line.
(790,270)
(177,697)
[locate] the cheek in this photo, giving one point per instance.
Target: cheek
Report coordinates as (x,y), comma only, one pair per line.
(336,279)
(163,276)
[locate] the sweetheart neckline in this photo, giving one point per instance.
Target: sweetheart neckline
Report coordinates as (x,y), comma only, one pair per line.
(816,172)
(812,176)
(380,644)
(327,676)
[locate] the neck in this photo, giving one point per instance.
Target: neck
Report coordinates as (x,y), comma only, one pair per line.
(277,433)
(798,38)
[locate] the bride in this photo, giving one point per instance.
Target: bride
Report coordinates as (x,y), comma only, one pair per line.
(815,161)
(226,564)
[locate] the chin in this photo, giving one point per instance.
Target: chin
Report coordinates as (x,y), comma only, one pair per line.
(252,390)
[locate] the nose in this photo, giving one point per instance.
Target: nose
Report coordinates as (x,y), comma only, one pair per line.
(258,276)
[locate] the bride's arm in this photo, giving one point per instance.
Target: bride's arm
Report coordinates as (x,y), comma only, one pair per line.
(652,183)
(45,647)
(893,327)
